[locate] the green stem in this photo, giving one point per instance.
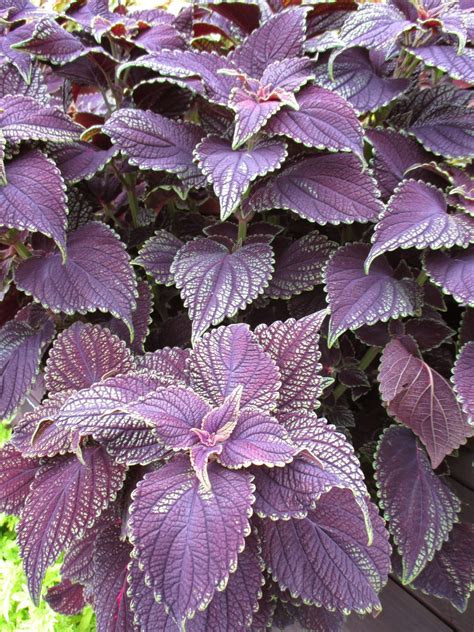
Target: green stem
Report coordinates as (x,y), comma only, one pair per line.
(22,250)
(129,180)
(366,361)
(421,278)
(242,232)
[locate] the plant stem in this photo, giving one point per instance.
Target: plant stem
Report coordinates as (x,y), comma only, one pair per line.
(242,232)
(421,278)
(366,361)
(129,180)
(22,250)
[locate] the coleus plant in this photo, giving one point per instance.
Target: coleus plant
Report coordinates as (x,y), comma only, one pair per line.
(211,225)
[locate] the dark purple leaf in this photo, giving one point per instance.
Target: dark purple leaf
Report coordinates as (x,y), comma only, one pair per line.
(16,475)
(231,356)
(33,197)
(374,26)
(453,272)
(84,354)
(419,506)
(231,171)
(66,597)
(429,332)
(66,496)
(157,254)
(463,379)
(151,141)
(11,82)
(216,283)
(314,619)
(289,74)
(299,266)
(22,342)
(96,275)
(356,298)
(417,217)
(169,363)
(449,576)
(458,66)
(159,37)
(148,613)
(325,559)
(324,189)
(141,320)
(323,120)
(186,539)
(422,399)
(81,161)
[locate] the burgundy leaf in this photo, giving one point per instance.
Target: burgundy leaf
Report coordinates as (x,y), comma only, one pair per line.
(84,354)
(186,539)
(324,189)
(356,298)
(22,342)
(66,496)
(453,272)
(66,597)
(463,378)
(374,26)
(33,197)
(419,506)
(141,319)
(231,356)
(231,171)
(96,275)
(16,475)
(323,120)
(458,66)
(81,161)
(157,254)
(299,266)
(216,283)
(417,217)
(422,399)
(325,559)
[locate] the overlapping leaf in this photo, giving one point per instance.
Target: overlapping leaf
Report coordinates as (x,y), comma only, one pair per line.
(463,378)
(66,597)
(374,26)
(157,254)
(16,475)
(458,66)
(80,161)
(453,272)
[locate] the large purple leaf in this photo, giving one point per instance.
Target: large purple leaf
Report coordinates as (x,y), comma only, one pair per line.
(22,342)
(323,120)
(231,356)
(356,298)
(419,506)
(299,266)
(277,39)
(325,559)
(96,275)
(374,26)
(23,118)
(324,189)
(151,141)
(422,399)
(417,217)
(450,576)
(216,283)
(16,475)
(66,496)
(157,254)
(453,272)
(231,171)
(463,379)
(358,77)
(293,345)
(33,197)
(289,74)
(458,66)
(84,354)
(81,161)
(147,611)
(141,320)
(186,539)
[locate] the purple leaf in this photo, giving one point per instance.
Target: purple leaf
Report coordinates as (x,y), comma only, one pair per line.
(315,619)
(33,197)
(81,161)
(84,354)
(169,363)
(231,171)
(323,120)
(356,298)
(419,506)
(96,275)
(292,345)
(422,399)
(374,26)
(231,356)
(289,74)
(417,217)
(358,77)
(151,141)
(66,497)
(157,254)
(277,39)
(449,575)
(22,342)
(66,597)
(186,539)
(148,613)
(141,319)
(430,332)
(12,82)
(324,189)
(463,379)
(159,37)
(325,559)
(16,475)
(216,283)
(299,266)
(453,272)
(458,66)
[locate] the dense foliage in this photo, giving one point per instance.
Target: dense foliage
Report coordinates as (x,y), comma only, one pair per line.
(213,225)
